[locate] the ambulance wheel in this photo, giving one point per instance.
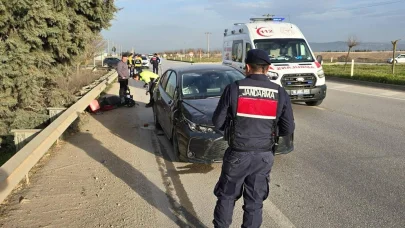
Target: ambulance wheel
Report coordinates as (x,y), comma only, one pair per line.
(313,103)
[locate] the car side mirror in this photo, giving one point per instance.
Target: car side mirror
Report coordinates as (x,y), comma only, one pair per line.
(319,59)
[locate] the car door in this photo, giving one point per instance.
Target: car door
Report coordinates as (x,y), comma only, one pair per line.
(158,96)
(168,103)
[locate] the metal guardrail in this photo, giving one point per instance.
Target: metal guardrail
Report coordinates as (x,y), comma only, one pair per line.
(18,166)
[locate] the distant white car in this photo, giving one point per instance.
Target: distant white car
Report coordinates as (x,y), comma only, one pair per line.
(399,59)
(145,61)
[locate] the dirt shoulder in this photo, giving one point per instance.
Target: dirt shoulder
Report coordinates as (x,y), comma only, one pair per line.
(107,175)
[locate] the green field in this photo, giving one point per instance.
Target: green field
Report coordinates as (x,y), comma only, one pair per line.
(372,73)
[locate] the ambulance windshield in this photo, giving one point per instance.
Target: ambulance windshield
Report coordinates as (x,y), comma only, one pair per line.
(285,50)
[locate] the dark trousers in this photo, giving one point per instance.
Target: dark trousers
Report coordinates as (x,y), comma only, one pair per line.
(247,174)
(138,69)
(131,71)
(123,86)
(155,68)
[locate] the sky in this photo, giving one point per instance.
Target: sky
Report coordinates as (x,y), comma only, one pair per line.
(164,25)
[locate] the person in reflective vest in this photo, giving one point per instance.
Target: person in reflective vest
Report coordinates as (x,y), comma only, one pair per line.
(249,112)
(138,63)
(150,80)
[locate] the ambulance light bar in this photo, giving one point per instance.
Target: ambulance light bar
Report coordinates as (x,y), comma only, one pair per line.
(278,19)
(268,19)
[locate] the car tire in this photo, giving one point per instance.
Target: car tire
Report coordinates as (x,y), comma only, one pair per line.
(176,151)
(156,120)
(313,103)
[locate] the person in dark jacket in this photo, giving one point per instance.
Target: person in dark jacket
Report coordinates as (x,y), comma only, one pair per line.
(123,76)
(155,60)
(249,113)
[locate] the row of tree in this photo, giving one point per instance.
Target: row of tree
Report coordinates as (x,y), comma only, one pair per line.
(41,42)
(195,51)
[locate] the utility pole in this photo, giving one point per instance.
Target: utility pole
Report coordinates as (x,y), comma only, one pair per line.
(108,47)
(208,43)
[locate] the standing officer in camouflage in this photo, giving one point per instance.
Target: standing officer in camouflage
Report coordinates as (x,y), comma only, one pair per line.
(249,112)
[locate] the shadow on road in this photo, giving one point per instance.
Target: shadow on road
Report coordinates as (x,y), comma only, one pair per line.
(128,124)
(133,178)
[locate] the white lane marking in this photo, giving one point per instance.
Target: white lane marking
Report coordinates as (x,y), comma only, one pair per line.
(320,108)
(277,216)
(340,87)
(390,93)
(369,94)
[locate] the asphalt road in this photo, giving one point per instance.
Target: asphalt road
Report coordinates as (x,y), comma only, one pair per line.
(347,170)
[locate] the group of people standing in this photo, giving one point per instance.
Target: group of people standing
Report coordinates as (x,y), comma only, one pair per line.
(130,66)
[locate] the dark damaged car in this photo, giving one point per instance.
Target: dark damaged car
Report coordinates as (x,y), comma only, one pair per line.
(185,100)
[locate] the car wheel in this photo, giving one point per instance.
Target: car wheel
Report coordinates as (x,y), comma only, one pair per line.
(176,151)
(396,61)
(313,103)
(155,119)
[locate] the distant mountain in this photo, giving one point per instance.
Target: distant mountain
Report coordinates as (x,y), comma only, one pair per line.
(342,46)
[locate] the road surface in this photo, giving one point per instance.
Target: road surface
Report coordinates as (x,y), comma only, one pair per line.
(347,170)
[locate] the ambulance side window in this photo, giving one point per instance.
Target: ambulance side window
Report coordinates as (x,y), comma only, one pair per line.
(248,47)
(237,50)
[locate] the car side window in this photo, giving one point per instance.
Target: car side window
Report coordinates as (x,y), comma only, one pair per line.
(171,84)
(163,81)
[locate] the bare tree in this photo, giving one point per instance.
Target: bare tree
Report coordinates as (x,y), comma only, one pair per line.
(394,47)
(95,47)
(351,42)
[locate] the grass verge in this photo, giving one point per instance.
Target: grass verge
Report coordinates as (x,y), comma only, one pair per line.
(370,73)
(73,84)
(380,73)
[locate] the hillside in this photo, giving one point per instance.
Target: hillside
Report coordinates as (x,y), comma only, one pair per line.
(342,46)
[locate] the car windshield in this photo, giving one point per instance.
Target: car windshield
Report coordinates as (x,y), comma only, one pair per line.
(285,50)
(144,58)
(207,83)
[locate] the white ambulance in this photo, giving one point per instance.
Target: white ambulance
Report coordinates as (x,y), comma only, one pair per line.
(293,64)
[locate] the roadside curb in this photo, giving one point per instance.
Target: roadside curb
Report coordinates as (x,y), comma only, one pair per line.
(366,83)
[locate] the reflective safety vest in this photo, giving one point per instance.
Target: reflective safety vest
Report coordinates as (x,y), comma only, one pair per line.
(146,76)
(253,125)
(130,60)
(138,62)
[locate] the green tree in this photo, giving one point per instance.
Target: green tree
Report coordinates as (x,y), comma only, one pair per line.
(41,41)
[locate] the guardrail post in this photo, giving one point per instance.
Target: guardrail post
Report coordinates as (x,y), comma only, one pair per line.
(53,114)
(23,136)
(352,71)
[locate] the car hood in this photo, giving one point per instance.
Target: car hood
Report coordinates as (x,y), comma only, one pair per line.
(200,111)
